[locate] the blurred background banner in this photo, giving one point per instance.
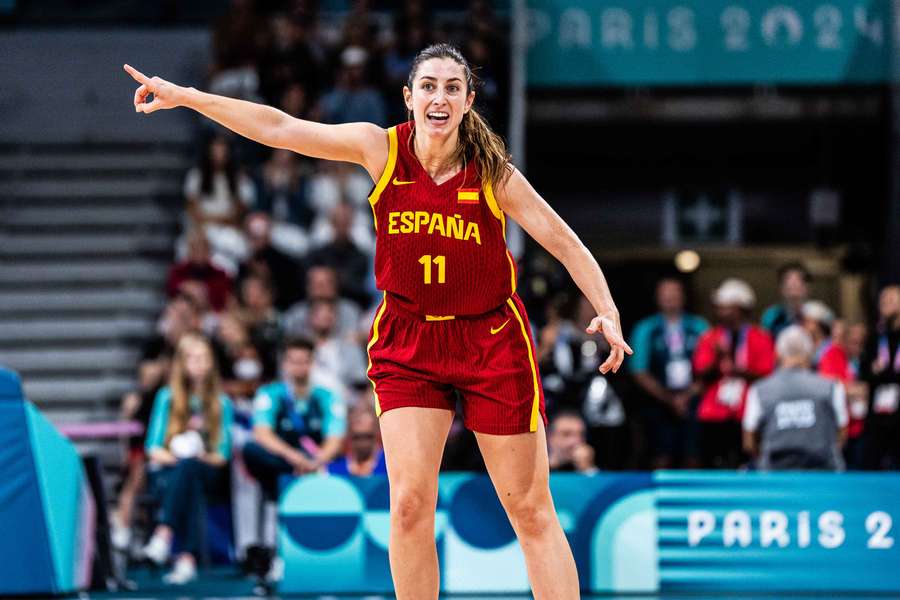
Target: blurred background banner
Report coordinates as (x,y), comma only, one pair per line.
(669,531)
(707,42)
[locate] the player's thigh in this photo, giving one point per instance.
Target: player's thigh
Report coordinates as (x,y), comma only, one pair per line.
(414,440)
(519,467)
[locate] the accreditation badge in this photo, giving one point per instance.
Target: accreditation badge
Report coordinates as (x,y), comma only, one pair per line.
(887,399)
(731,390)
(678,374)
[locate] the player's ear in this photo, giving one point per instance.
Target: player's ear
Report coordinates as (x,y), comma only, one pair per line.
(470,100)
(407,98)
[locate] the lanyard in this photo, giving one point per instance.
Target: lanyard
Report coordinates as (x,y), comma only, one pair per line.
(675,339)
(884,354)
(741,353)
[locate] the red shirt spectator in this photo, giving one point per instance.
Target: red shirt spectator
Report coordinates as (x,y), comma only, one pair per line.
(198,267)
(753,352)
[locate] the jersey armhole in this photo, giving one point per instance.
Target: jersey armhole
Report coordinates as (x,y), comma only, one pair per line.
(388,167)
(495,208)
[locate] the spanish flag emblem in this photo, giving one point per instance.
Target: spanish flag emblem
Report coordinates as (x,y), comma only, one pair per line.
(467,195)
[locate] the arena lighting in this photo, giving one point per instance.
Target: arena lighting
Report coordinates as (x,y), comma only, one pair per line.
(687,261)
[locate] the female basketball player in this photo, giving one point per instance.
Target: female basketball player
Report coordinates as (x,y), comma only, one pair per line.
(450,318)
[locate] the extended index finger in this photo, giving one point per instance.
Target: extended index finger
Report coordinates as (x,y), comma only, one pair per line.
(138,76)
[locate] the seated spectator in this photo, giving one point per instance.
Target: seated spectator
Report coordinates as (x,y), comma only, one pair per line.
(729,357)
(217,196)
(322,284)
(661,366)
(180,316)
(137,406)
(282,194)
(188,447)
(336,354)
(567,446)
(352,99)
(261,319)
(267,261)
(795,419)
(298,426)
(198,267)
(237,44)
(793,282)
(289,58)
(364,455)
(344,256)
(880,368)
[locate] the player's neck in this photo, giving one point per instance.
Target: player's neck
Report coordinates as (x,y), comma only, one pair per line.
(436,153)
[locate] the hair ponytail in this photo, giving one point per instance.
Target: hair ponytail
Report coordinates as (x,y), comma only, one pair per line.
(477,141)
(486,148)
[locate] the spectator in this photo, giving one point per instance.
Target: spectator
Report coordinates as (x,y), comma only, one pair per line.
(880,368)
(321,284)
(281,190)
(661,365)
(795,419)
(728,358)
(289,58)
(558,345)
(199,267)
(352,99)
(298,426)
(136,406)
(237,45)
(295,101)
(793,281)
(344,256)
(262,320)
(217,196)
(816,318)
(267,261)
(336,355)
(188,447)
(364,455)
(567,446)
(854,341)
(180,316)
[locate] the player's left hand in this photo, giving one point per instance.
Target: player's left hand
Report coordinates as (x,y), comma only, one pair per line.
(608,324)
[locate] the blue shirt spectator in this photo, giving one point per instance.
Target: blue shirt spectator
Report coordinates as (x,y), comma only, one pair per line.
(318,415)
(159,421)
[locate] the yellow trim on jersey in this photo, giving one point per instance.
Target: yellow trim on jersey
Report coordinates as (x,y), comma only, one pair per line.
(371,343)
(495,209)
(388,167)
(536,402)
(437,318)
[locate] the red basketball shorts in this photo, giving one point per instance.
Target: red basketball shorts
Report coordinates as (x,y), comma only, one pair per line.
(488,358)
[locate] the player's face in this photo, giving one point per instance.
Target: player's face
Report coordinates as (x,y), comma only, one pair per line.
(439,98)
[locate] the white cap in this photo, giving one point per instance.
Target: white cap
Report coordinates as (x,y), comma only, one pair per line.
(817,311)
(794,342)
(734,292)
(354,56)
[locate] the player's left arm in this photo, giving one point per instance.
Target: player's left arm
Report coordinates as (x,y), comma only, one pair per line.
(517,198)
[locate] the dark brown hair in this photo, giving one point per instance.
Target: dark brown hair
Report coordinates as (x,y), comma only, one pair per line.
(477,141)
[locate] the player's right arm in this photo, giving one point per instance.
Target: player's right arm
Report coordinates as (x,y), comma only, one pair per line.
(365,144)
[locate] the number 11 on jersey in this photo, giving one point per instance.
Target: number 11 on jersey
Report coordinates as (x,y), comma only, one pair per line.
(441,262)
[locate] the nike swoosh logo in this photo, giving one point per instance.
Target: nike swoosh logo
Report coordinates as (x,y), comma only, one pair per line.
(398,182)
(497,330)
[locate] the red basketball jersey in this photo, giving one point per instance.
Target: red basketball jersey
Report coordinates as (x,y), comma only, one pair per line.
(440,249)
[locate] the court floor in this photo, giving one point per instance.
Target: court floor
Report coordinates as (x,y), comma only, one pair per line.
(226,584)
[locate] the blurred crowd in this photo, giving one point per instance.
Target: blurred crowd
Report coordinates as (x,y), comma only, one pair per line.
(257,369)
(258,366)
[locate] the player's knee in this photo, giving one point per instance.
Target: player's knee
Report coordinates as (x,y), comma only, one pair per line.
(532,518)
(412,510)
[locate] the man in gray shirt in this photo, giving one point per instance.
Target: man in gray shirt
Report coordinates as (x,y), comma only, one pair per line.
(795,419)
